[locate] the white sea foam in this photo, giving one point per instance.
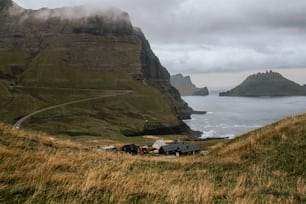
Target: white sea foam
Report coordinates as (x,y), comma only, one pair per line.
(208,134)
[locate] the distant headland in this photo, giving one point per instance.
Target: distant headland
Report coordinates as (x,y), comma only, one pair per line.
(268,83)
(185,86)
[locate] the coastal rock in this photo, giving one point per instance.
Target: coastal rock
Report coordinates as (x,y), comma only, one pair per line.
(185,86)
(201,92)
(266,84)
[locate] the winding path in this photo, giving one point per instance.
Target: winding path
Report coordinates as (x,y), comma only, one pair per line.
(17,125)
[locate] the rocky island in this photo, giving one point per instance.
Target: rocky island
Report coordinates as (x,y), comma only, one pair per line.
(185,86)
(266,84)
(96,70)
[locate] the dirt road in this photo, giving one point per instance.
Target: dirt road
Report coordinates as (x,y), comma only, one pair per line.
(17,125)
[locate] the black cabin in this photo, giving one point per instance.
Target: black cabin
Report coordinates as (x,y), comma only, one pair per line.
(131,148)
(180,148)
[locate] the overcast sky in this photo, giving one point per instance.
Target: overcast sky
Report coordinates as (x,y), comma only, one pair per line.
(214,40)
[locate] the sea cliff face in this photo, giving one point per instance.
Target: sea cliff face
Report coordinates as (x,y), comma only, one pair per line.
(185,86)
(201,92)
(157,76)
(54,56)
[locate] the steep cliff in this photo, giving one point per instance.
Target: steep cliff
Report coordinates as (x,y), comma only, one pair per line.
(55,56)
(185,86)
(201,92)
(157,76)
(266,84)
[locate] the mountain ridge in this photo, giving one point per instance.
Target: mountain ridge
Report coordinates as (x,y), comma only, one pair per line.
(44,55)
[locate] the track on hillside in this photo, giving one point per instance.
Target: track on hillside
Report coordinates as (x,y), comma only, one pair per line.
(17,125)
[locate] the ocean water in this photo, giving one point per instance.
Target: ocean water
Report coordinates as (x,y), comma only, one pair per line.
(233,116)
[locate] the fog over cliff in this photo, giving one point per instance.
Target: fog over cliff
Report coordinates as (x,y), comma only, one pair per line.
(201,36)
(110,14)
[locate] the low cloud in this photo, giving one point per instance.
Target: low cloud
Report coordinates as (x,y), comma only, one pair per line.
(83,14)
(203,36)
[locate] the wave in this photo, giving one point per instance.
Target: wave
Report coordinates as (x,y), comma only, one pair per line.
(208,134)
(246,126)
(213,134)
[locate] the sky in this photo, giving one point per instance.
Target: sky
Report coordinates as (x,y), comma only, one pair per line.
(218,43)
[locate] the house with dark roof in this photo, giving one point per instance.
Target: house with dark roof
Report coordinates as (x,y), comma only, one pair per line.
(179,148)
(131,148)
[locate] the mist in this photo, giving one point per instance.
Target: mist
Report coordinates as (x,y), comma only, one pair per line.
(221,36)
(109,14)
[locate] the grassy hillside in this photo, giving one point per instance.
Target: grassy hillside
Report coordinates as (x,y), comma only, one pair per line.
(55,60)
(4,94)
(264,166)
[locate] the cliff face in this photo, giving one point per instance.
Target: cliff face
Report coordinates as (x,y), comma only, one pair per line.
(53,56)
(266,84)
(185,87)
(201,92)
(157,76)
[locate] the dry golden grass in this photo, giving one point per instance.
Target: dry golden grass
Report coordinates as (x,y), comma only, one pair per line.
(36,168)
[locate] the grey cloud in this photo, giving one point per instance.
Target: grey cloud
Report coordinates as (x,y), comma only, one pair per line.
(214,36)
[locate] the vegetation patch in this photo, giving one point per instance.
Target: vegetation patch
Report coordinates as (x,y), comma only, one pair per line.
(265,165)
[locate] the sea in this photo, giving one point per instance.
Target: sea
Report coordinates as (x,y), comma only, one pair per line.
(228,117)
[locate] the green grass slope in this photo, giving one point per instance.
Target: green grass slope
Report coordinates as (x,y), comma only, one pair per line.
(4,94)
(263,166)
(52,61)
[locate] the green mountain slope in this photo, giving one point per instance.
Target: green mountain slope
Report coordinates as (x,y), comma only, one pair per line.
(266,84)
(49,57)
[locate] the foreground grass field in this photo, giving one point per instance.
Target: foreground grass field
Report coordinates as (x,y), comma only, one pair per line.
(263,166)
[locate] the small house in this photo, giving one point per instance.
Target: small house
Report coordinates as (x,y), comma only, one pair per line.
(158,144)
(131,148)
(179,149)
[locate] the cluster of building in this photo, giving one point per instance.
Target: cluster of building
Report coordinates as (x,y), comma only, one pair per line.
(159,147)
